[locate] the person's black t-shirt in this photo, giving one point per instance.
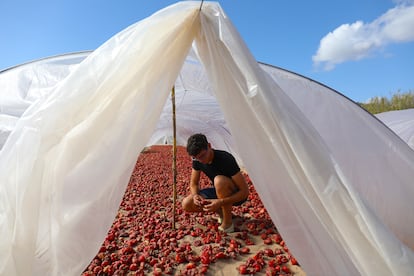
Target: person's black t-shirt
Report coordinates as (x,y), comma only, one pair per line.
(223,164)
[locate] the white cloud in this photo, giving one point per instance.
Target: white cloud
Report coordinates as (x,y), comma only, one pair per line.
(359,40)
(403,2)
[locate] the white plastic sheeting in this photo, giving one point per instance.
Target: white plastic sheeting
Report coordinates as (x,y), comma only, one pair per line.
(401,122)
(22,85)
(335,180)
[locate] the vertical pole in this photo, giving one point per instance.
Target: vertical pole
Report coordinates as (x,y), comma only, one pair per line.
(174,164)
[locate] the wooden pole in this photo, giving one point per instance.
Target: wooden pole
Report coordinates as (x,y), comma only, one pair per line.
(174,164)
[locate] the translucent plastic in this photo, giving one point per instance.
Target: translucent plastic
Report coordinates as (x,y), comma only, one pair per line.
(401,122)
(335,180)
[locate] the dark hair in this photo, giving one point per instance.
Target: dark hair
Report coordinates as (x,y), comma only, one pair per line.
(196,143)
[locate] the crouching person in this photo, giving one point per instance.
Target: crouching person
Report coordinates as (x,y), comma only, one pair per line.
(229,187)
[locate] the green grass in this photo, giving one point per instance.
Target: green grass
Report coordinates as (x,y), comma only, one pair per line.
(398,101)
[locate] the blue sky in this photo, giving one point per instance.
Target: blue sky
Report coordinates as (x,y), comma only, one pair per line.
(361,48)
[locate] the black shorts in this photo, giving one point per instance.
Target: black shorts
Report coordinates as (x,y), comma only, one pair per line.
(210,193)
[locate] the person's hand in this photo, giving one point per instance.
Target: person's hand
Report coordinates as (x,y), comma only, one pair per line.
(198,200)
(212,205)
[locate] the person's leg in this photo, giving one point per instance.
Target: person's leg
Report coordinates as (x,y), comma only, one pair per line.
(189,206)
(225,187)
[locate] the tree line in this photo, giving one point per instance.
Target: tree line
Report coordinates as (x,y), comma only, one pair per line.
(398,101)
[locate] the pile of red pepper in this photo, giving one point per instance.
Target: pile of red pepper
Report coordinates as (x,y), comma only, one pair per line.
(142,240)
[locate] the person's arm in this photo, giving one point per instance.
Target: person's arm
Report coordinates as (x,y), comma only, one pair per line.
(194,188)
(241,194)
(195,178)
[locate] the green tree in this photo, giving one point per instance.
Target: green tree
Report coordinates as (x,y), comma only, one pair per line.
(398,101)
